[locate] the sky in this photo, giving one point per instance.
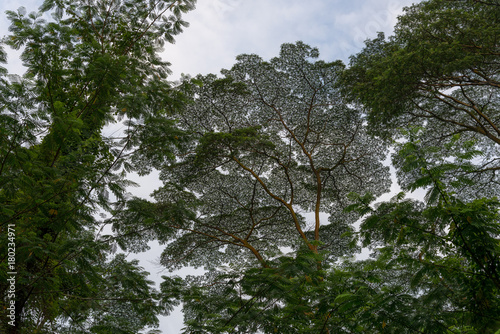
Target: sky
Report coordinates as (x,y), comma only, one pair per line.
(222,29)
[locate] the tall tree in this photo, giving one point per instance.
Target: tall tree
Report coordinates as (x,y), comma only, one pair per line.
(445,248)
(440,70)
(273,143)
(433,89)
(92,64)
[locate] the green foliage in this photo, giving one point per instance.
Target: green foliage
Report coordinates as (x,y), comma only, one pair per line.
(93,64)
(448,247)
(285,298)
(439,71)
(438,46)
(268,140)
(251,153)
(257,150)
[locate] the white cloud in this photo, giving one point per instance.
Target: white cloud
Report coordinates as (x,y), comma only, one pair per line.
(222,29)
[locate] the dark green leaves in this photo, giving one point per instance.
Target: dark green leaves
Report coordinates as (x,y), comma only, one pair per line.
(91,65)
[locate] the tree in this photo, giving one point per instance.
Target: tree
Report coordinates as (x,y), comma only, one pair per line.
(270,142)
(439,71)
(435,266)
(446,248)
(93,64)
(432,88)
(260,171)
(435,269)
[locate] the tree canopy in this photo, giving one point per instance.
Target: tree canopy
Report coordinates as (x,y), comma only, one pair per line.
(271,174)
(269,142)
(91,64)
(439,70)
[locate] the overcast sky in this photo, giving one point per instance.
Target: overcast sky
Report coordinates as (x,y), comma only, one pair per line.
(222,29)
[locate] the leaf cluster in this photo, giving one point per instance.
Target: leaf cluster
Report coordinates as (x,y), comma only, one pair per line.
(88,66)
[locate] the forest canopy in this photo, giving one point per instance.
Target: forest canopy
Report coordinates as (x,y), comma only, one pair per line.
(270,172)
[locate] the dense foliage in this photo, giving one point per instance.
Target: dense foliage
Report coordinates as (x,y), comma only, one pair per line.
(267,169)
(269,142)
(440,71)
(90,64)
